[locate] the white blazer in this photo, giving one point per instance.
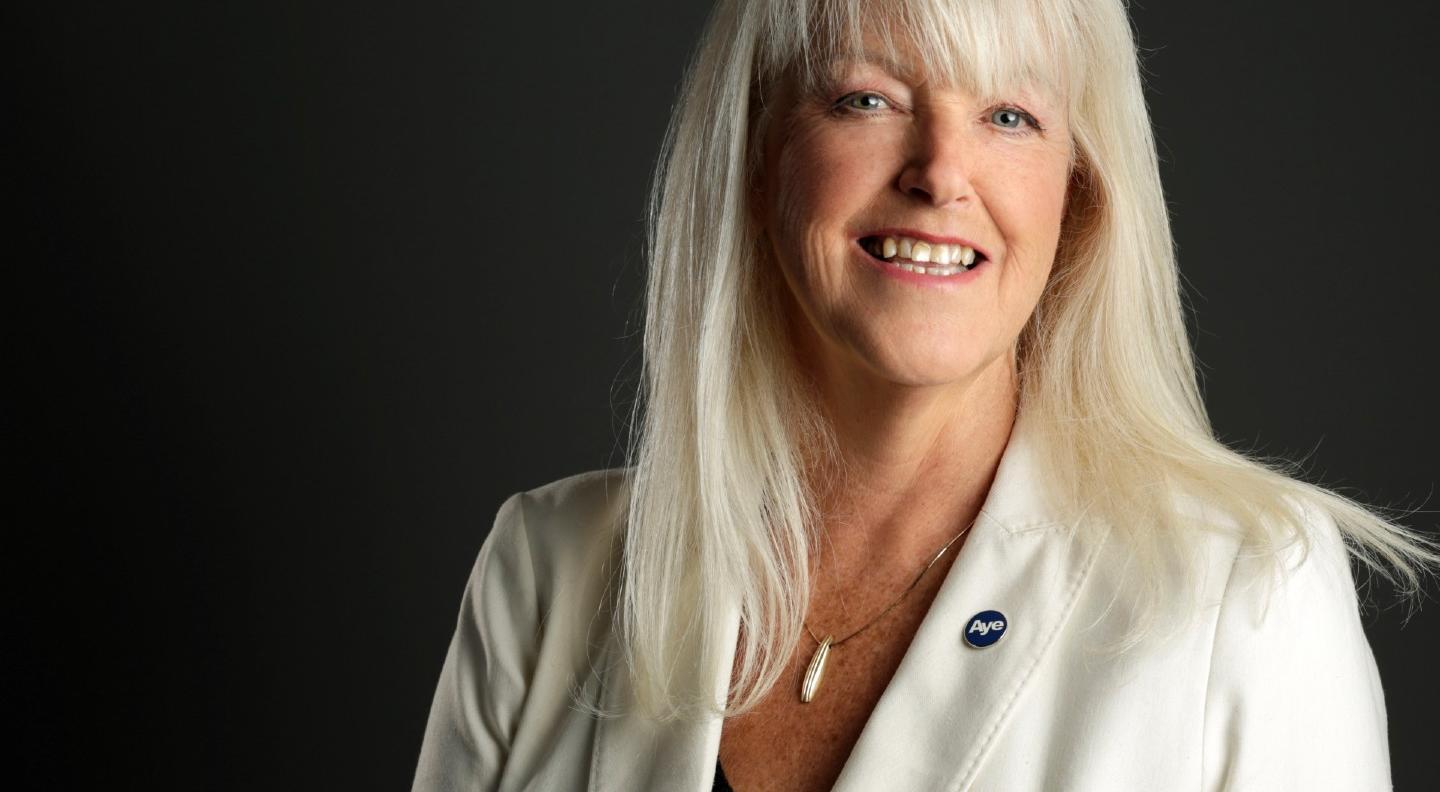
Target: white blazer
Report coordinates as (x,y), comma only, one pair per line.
(1288,702)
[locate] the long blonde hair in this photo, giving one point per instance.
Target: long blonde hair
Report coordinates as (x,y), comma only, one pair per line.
(719,513)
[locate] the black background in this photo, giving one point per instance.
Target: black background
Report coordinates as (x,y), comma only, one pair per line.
(300,292)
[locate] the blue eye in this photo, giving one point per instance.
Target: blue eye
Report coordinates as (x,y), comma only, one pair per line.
(863,100)
(1009,118)
(1006,118)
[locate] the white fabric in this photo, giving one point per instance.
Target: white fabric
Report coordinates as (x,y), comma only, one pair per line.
(1290,702)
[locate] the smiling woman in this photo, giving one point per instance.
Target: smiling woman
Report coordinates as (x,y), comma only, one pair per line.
(923,494)
(879,165)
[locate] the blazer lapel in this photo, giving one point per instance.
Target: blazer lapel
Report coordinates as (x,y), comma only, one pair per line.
(946,704)
(949,702)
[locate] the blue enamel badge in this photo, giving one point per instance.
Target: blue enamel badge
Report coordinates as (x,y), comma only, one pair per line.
(985,628)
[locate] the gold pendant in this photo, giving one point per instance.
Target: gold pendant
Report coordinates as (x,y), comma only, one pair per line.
(816,672)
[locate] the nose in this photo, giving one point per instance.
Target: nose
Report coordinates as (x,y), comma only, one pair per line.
(938,169)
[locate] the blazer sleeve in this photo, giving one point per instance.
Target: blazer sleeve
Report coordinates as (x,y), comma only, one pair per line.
(1294,700)
(487,669)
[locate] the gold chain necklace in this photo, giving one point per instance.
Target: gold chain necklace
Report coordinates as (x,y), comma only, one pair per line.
(816,672)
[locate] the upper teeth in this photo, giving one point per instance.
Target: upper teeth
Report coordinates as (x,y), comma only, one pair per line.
(925,252)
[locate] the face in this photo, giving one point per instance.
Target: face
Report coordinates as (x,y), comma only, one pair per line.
(874,195)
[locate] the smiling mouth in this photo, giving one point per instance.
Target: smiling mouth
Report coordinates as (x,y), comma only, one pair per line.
(921,257)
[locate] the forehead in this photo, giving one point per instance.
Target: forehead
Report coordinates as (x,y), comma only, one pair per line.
(986,47)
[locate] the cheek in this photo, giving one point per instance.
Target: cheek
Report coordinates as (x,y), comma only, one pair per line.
(1027,206)
(824,179)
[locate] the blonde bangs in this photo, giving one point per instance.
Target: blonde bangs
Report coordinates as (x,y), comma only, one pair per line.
(989,48)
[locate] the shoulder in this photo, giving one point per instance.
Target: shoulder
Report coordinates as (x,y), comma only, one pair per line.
(521,632)
(552,533)
(1252,598)
(1292,601)
(1303,571)
(566,510)
(1294,691)
(578,494)
(1250,566)
(539,578)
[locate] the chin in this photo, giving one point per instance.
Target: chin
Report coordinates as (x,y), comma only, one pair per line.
(936,366)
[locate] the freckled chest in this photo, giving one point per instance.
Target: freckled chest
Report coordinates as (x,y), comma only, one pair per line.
(784,744)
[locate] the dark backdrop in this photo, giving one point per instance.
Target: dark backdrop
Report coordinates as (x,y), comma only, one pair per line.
(300,292)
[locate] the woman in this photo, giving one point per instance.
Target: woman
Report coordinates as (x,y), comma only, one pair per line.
(923,495)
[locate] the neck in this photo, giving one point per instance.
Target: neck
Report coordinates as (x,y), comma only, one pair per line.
(914,463)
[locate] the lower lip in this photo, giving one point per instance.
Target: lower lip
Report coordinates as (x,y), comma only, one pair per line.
(956,280)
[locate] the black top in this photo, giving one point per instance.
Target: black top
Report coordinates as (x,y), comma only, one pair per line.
(721,783)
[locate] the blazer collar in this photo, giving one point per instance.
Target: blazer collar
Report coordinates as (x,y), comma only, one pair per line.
(948,702)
